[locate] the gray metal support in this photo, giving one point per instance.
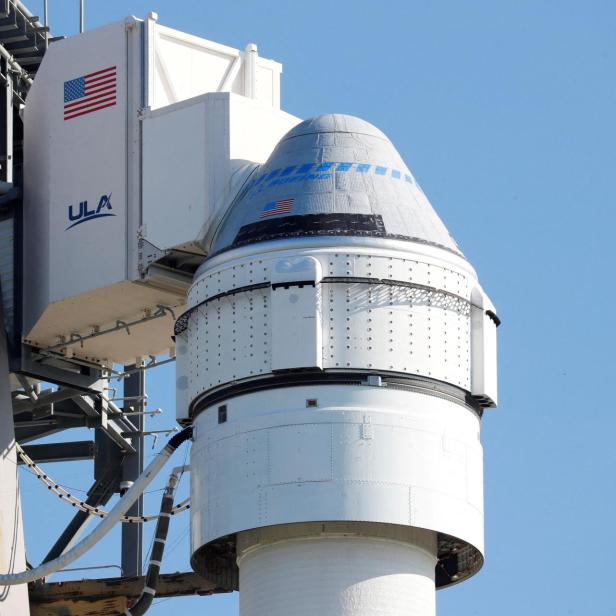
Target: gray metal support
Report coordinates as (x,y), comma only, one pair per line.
(6,113)
(61,452)
(132,534)
(98,495)
(70,532)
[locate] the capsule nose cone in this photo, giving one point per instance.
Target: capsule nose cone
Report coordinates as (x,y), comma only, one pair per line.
(333,175)
(334,123)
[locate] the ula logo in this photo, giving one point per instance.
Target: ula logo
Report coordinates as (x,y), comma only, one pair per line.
(77,215)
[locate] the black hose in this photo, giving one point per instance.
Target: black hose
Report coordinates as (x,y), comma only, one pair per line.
(160,536)
(177,439)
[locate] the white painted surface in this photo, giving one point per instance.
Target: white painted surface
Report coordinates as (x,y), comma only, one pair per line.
(369,327)
(181,65)
(296,314)
(483,348)
(126,301)
(373,454)
(337,576)
(68,162)
(196,156)
(13,599)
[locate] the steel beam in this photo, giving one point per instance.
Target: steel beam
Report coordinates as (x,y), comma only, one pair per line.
(45,399)
(30,430)
(61,452)
(6,111)
(57,370)
(99,494)
(114,427)
(110,595)
(132,534)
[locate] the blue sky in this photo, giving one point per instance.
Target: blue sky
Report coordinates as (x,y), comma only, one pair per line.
(504,111)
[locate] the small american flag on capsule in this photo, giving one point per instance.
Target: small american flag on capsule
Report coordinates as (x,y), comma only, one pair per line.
(273,208)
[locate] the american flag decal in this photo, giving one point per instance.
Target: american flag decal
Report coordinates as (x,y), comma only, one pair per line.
(90,93)
(273,208)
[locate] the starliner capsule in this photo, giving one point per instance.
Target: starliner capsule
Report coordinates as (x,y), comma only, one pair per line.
(335,360)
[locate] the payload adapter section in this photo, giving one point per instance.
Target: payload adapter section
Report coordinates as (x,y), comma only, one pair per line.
(135,136)
(335,360)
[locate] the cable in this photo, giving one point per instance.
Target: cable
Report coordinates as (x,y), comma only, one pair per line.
(160,537)
(132,494)
(78,503)
(183,469)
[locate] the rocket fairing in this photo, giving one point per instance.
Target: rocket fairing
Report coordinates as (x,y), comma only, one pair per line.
(335,360)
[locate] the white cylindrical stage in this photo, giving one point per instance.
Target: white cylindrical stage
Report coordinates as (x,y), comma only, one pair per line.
(337,576)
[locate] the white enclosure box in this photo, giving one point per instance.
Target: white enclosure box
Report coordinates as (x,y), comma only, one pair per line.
(214,141)
(135,136)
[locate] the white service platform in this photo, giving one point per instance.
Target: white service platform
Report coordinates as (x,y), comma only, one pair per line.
(121,191)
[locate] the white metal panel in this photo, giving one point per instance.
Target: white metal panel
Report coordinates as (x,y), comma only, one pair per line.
(267,84)
(70,163)
(229,339)
(74,275)
(182,65)
(102,308)
(87,164)
(196,156)
(235,275)
(392,329)
(474,477)
(290,446)
(175,173)
(378,327)
(490,367)
(364,453)
(380,264)
(484,382)
(185,65)
(296,328)
(396,328)
(255,128)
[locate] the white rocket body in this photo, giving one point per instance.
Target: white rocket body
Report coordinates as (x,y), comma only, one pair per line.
(335,360)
